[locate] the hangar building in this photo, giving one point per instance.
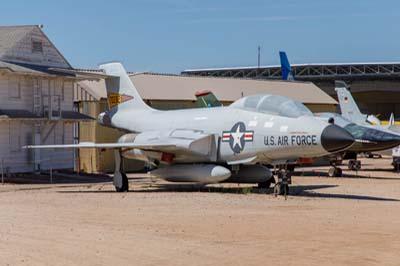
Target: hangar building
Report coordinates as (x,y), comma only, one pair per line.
(36,102)
(375,86)
(167,92)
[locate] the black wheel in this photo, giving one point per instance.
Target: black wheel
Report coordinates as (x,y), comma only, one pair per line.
(357,165)
(351,165)
(291,167)
(335,172)
(265,184)
(338,172)
(332,171)
(125,184)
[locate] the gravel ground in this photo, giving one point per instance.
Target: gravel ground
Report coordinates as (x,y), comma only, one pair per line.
(326,221)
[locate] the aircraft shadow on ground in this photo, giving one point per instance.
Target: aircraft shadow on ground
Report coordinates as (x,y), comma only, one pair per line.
(45,179)
(300,191)
(295,191)
(345,175)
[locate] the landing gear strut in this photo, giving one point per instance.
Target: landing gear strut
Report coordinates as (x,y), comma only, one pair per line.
(121,182)
(396,163)
(282,181)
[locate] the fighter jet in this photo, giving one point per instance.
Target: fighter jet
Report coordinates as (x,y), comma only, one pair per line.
(368,139)
(370,136)
(210,145)
(349,109)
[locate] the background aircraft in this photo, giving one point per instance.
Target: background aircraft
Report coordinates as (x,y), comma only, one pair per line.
(287,73)
(349,108)
(210,145)
(369,138)
(207,99)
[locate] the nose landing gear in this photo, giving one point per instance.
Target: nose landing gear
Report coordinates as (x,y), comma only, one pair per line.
(283,179)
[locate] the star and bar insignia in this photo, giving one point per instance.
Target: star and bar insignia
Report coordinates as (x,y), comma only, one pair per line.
(237,137)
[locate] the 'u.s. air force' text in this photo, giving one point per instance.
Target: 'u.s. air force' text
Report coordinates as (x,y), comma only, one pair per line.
(292,140)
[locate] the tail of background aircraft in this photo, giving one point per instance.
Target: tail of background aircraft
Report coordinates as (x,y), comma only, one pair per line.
(287,73)
(391,120)
(207,99)
(121,93)
(348,106)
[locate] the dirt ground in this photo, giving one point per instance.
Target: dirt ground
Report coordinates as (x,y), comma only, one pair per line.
(327,221)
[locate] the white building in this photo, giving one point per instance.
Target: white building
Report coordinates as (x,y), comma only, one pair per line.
(36,101)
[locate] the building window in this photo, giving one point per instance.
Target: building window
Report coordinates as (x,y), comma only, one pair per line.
(15,136)
(37,47)
(14,87)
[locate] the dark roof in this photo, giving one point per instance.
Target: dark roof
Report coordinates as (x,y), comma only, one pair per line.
(72,115)
(17,114)
(10,36)
(24,114)
(31,69)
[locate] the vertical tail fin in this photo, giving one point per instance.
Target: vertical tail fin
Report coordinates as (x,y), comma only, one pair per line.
(207,99)
(286,69)
(121,92)
(391,120)
(348,106)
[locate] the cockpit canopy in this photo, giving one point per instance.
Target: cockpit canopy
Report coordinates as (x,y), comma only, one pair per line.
(273,104)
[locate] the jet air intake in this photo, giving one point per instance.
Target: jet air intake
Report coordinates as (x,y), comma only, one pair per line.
(335,138)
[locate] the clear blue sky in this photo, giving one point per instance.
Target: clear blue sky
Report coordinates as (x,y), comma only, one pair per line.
(170,36)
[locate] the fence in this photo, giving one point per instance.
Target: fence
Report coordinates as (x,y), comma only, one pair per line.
(11,166)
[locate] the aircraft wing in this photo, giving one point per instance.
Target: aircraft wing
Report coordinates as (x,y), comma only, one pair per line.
(181,142)
(89,145)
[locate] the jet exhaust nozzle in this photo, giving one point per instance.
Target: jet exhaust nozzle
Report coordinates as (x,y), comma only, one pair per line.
(335,138)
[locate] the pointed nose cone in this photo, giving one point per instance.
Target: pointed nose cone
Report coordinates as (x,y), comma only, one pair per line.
(334,138)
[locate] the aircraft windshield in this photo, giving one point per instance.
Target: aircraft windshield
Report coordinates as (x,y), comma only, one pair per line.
(273,104)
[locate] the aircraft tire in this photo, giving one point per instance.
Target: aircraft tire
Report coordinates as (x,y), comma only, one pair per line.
(354,165)
(335,172)
(338,172)
(331,171)
(291,167)
(125,184)
(351,165)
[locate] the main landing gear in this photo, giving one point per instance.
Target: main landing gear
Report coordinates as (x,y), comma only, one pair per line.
(121,182)
(335,171)
(354,165)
